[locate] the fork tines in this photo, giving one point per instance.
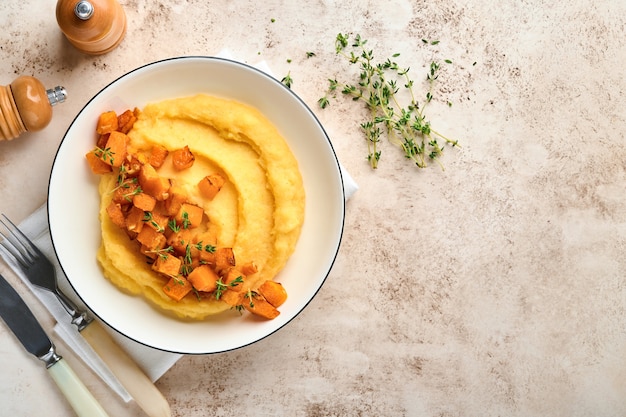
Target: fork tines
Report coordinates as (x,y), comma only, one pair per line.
(15,243)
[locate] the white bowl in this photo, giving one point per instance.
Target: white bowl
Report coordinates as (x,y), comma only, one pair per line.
(73,203)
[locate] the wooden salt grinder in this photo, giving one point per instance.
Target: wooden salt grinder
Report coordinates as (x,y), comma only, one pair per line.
(94,27)
(25,105)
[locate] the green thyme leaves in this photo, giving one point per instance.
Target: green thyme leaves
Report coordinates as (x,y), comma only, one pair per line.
(394,110)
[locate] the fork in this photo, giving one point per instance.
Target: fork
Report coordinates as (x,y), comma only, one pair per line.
(40,271)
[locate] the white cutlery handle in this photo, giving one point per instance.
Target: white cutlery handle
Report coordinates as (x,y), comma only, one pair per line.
(79,397)
(138,385)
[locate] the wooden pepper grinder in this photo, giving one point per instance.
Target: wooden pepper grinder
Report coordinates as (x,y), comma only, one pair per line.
(94,27)
(25,105)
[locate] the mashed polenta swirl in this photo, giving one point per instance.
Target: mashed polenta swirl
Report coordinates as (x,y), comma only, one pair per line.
(259,212)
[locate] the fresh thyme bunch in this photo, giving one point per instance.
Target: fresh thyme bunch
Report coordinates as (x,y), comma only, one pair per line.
(379,88)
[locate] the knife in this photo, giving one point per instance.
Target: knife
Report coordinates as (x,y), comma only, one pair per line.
(18,317)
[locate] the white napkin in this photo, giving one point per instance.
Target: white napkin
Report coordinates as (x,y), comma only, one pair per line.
(153,362)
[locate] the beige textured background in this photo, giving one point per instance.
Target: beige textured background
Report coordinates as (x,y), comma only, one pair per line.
(493,288)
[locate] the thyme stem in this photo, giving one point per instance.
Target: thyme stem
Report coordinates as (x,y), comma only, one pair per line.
(378,86)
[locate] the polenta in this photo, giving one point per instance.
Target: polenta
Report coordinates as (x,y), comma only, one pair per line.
(244,210)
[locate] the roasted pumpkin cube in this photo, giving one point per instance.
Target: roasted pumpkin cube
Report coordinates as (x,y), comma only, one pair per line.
(125,192)
(189,216)
(183,158)
(210,185)
(176,197)
(107,122)
(114,210)
(151,239)
(158,153)
(256,304)
(234,279)
(132,165)
(249,268)
(273,292)
(152,183)
(96,164)
(224,259)
(144,201)
(203,278)
(206,244)
(102,140)
(149,253)
(179,241)
(156,220)
(167,264)
(206,257)
(233,298)
(116,149)
(125,121)
(134,220)
(177,288)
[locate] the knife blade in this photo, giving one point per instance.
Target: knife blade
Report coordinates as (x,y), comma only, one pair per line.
(21,321)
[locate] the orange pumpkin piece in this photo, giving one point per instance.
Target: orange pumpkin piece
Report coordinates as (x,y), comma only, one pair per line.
(167,265)
(232,298)
(151,239)
(124,193)
(256,304)
(96,164)
(107,123)
(158,153)
(177,288)
(144,201)
(231,277)
(179,241)
(273,292)
(205,241)
(206,257)
(116,149)
(249,268)
(152,183)
(156,220)
(125,121)
(132,165)
(114,210)
(134,220)
(189,216)
(203,278)
(210,185)
(176,197)
(102,140)
(224,259)
(183,158)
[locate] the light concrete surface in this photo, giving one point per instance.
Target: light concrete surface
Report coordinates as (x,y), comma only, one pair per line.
(494,287)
